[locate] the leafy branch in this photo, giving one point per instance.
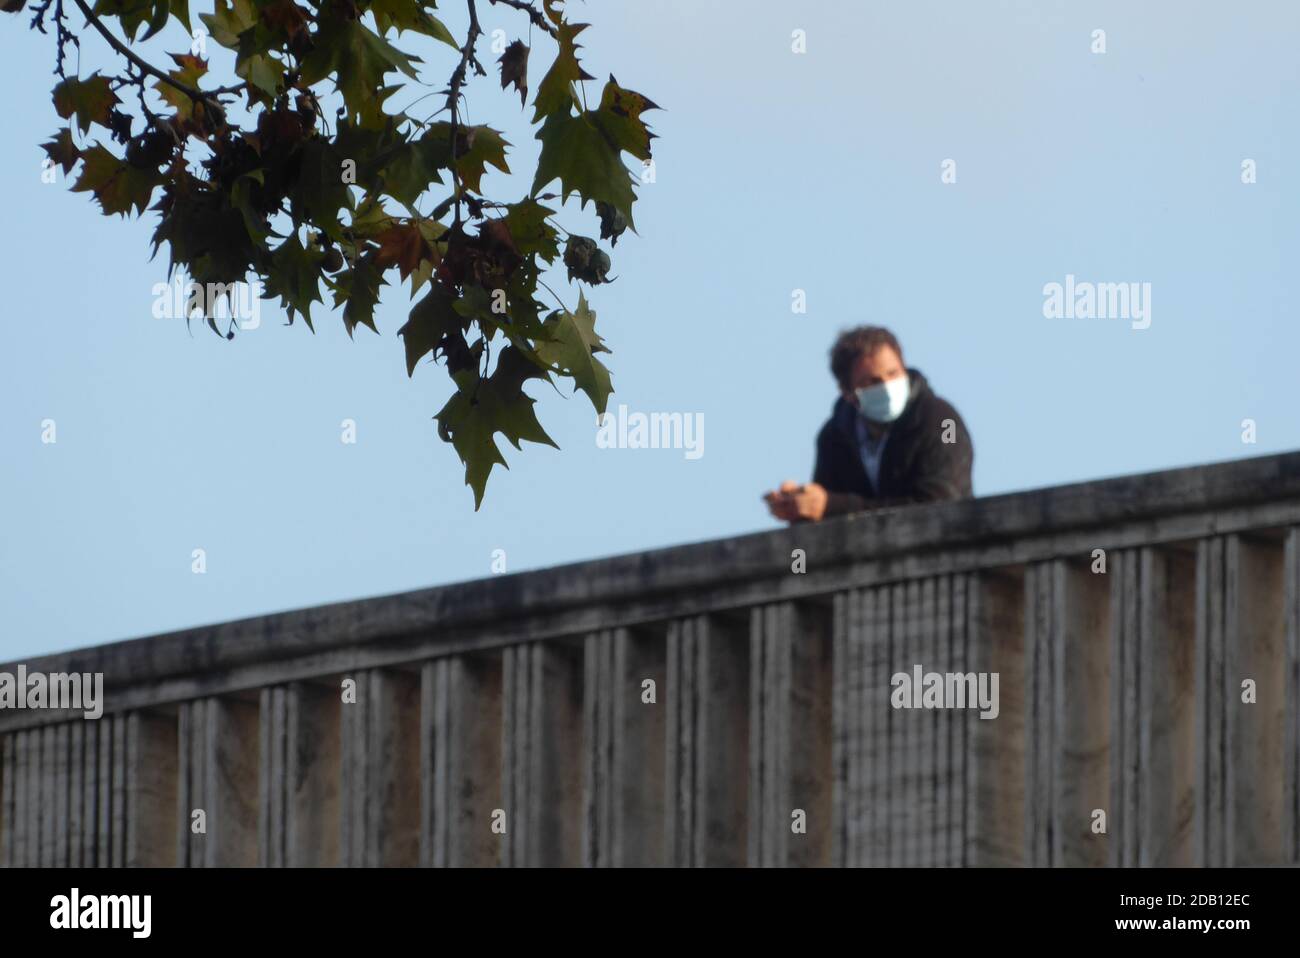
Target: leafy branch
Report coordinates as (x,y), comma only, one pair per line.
(313,208)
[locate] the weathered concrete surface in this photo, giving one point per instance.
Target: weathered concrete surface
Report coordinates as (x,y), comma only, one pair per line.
(709,705)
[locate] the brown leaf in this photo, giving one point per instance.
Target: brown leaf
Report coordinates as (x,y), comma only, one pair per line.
(514,69)
(402,245)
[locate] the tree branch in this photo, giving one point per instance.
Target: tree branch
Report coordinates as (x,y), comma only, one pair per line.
(197,96)
(453,91)
(533,14)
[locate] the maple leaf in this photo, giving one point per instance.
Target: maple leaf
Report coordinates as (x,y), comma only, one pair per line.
(91,99)
(191,70)
(572,343)
(402,245)
(430,320)
(117,185)
(295,277)
(619,118)
(359,57)
(62,151)
(514,69)
(555,92)
(577,153)
(410,15)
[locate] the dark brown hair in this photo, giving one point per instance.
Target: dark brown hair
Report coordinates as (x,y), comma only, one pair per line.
(861,341)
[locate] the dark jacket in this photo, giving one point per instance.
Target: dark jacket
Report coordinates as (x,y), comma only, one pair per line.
(916,466)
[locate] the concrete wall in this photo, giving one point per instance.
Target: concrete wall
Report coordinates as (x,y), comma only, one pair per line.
(728,703)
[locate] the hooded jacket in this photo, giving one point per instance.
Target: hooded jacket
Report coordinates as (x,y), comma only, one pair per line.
(916,465)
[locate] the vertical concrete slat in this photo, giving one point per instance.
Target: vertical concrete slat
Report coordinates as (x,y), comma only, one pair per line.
(514,758)
(1039,815)
(842,742)
(6,800)
(151,753)
(758,758)
(678,798)
(900,795)
(1080,627)
(928,751)
(48,787)
(962,630)
(639,750)
(1209,832)
(913,722)
(860,723)
(353,734)
(808,734)
(20,827)
(545,743)
(15,799)
(999,752)
(1255,649)
(1291,740)
(230,763)
(472,743)
(434,720)
(272,775)
(62,735)
(721,757)
(942,766)
(878,788)
(104,794)
(89,786)
(76,766)
(1167,745)
(391,824)
(121,797)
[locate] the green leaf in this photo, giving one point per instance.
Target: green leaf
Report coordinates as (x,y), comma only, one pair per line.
(573,343)
(430,319)
(359,288)
(576,152)
(358,56)
(410,15)
(294,276)
(318,192)
(619,118)
(91,99)
(482,408)
(116,184)
(555,92)
(228,19)
(133,13)
(532,234)
(191,70)
(62,150)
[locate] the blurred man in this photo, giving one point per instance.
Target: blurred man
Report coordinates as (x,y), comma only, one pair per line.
(890,440)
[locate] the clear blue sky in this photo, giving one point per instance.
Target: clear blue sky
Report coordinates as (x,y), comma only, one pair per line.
(775,171)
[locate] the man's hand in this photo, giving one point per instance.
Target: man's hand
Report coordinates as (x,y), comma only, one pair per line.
(798,503)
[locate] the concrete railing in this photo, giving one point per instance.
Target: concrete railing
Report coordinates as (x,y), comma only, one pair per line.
(729,703)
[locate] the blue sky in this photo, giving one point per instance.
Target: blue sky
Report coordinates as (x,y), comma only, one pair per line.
(775,171)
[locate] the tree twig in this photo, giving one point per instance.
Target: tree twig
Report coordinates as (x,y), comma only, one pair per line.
(453,91)
(534,14)
(198,96)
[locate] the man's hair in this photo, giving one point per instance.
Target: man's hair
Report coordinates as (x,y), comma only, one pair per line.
(853,343)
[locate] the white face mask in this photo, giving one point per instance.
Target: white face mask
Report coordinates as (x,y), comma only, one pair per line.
(884,402)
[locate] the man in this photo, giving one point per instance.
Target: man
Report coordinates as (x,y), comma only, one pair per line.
(890,440)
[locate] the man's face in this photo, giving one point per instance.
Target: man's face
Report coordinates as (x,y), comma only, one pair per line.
(879,367)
